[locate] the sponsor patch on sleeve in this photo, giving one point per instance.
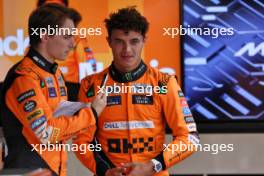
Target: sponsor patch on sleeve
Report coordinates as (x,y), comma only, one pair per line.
(183,102)
(30,106)
(193,139)
(46,135)
(55,135)
(26,95)
(38,122)
(180,93)
(188,119)
(186,111)
(191,127)
(36,114)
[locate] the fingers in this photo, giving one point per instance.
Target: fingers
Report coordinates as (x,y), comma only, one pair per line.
(118,171)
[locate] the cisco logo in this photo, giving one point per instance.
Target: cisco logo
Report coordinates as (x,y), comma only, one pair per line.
(251,49)
(19,40)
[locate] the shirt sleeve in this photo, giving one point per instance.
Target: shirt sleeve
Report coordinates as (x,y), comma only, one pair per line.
(182,124)
(26,100)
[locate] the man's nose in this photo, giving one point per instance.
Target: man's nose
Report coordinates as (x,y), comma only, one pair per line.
(127,47)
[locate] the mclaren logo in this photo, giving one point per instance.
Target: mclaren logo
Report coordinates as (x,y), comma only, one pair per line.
(251,49)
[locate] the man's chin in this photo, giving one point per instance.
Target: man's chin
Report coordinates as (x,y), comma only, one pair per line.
(61,58)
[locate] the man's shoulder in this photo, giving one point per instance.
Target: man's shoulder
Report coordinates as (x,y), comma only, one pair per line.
(158,75)
(27,69)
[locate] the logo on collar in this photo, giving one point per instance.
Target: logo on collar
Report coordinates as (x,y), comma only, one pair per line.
(54,68)
(38,60)
(90,92)
(128,76)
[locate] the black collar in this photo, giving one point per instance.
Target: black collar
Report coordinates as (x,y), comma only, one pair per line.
(41,61)
(129,76)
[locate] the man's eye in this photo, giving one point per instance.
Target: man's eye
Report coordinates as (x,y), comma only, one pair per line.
(118,41)
(135,41)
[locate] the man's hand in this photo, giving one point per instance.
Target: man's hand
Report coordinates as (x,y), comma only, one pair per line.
(118,171)
(139,169)
(99,103)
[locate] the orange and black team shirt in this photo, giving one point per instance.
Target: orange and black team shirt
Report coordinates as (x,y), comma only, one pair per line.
(32,90)
(132,126)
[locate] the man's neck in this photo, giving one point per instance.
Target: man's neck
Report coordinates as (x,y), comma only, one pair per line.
(43,53)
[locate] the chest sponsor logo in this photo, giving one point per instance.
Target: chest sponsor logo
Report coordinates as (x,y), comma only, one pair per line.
(63,91)
(30,106)
(142,99)
(52,92)
(113,100)
(136,145)
(49,82)
(61,81)
(38,122)
(123,125)
(26,95)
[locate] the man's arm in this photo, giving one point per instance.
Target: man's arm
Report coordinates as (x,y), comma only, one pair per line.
(36,116)
(180,120)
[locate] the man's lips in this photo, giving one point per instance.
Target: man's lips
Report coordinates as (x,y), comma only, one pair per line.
(126,56)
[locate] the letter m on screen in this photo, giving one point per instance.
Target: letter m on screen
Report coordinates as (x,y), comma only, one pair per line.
(251,49)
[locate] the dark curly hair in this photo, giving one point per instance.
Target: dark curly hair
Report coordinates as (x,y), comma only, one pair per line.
(127,19)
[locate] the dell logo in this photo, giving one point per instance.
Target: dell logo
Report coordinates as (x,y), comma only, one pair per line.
(251,49)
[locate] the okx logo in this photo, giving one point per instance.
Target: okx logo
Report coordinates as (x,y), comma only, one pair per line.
(14,45)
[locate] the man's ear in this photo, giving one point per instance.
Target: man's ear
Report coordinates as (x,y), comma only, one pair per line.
(44,38)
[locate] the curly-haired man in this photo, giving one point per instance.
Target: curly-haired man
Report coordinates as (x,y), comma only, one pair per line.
(131,129)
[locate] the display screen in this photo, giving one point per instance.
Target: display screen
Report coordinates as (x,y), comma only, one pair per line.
(224,62)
